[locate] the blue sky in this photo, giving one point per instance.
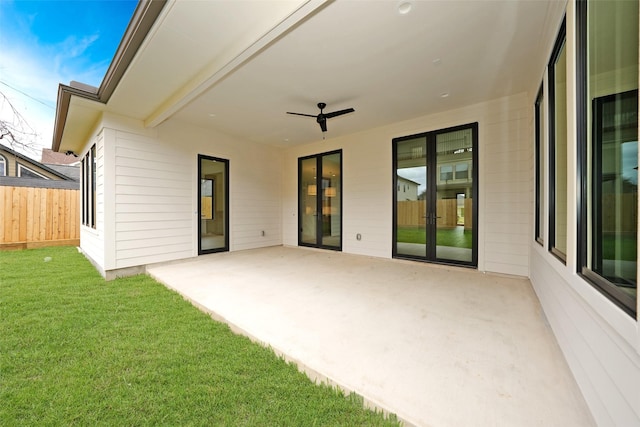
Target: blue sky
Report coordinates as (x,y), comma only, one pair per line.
(44,43)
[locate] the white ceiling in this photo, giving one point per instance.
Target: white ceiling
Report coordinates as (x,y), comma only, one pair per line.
(239,66)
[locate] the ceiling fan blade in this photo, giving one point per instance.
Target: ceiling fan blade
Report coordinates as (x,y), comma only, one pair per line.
(339,113)
(323,125)
(302,114)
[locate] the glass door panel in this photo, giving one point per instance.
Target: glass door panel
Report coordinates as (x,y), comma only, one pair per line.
(411,197)
(213,194)
(320,200)
(331,200)
(308,192)
(454,195)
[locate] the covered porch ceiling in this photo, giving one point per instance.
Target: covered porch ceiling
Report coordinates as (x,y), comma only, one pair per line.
(238,67)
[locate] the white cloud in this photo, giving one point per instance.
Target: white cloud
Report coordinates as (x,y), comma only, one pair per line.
(30,74)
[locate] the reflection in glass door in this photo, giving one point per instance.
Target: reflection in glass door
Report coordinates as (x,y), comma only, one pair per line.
(213,193)
(320,200)
(412,226)
(434,209)
(454,195)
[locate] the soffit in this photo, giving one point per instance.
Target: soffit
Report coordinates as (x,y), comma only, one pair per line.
(363,54)
(190,41)
(82,118)
(389,67)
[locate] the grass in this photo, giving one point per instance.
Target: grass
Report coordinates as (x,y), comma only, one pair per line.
(454,237)
(620,247)
(76,350)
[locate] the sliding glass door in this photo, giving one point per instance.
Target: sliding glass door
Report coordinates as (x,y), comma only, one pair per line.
(320,200)
(435,196)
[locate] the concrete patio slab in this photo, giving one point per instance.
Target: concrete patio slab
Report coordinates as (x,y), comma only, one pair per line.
(437,346)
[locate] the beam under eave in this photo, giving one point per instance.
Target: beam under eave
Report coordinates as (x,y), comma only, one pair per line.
(197,87)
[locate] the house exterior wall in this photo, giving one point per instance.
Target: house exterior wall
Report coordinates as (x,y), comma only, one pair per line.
(147,193)
(92,240)
(505,183)
(600,342)
(407,190)
(254,182)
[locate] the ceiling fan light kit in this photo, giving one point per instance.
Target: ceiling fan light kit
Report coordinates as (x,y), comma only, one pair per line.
(321,118)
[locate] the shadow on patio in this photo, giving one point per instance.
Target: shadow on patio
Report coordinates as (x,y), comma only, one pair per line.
(436,346)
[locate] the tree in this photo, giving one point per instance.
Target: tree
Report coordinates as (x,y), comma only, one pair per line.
(15,131)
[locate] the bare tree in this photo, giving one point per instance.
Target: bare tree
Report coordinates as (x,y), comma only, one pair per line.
(16,132)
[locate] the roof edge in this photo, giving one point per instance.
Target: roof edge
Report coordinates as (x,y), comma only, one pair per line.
(144,16)
(34,162)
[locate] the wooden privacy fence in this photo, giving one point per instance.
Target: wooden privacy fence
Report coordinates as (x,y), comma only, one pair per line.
(34,217)
(620,213)
(412,213)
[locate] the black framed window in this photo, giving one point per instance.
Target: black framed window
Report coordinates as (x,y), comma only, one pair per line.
(541,172)
(89,178)
(607,132)
(558,147)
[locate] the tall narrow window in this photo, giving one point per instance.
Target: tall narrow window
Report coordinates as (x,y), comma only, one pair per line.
(94,175)
(607,37)
(89,178)
(558,148)
(541,171)
(3,166)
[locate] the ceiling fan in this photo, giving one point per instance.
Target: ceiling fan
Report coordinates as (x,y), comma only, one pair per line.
(321,118)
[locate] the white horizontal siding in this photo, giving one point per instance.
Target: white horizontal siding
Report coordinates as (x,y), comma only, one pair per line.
(505,183)
(92,240)
(153,208)
(606,366)
(255,200)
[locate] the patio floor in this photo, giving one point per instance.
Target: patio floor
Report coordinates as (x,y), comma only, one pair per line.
(437,346)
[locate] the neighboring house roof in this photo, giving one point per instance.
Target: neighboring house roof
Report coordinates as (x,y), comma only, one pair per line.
(408,180)
(70,171)
(50,157)
(239,69)
(33,164)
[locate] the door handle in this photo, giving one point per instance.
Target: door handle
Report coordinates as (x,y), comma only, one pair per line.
(431,218)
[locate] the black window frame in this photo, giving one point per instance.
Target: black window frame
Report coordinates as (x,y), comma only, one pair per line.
(560,43)
(433,176)
(89,187)
(225,184)
(539,195)
(318,157)
(604,286)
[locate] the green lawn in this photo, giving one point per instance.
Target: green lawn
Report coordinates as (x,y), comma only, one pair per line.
(622,247)
(76,350)
(444,237)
